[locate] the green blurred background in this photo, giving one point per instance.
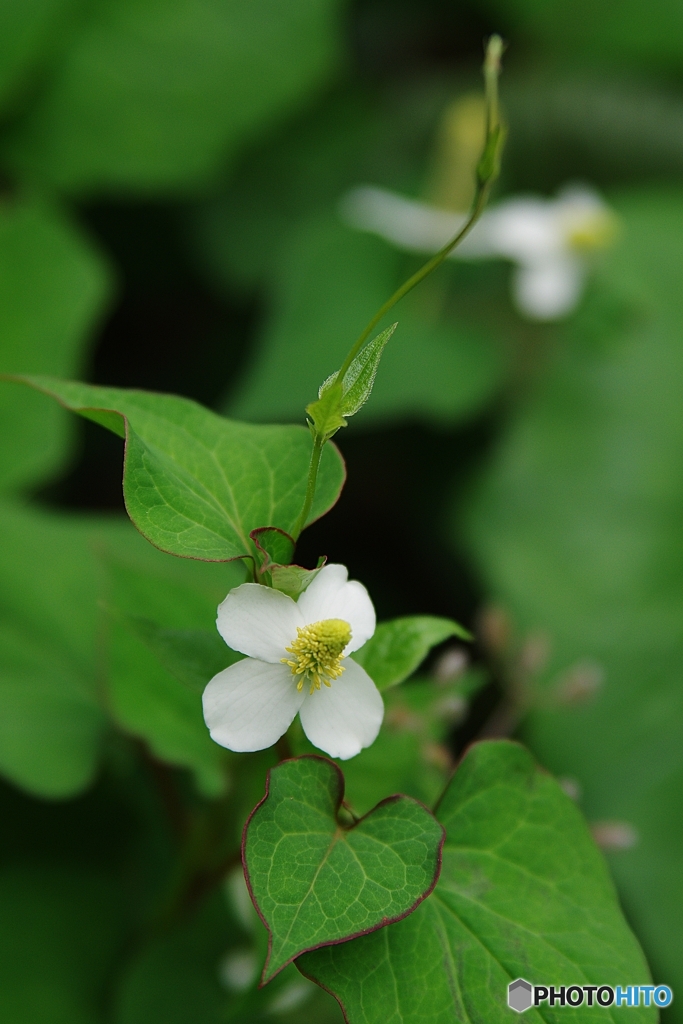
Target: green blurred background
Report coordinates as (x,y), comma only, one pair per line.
(170,174)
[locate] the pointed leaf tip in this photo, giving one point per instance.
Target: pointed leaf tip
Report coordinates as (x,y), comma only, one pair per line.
(357,384)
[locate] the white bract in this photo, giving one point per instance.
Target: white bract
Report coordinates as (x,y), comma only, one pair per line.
(296,662)
(547,239)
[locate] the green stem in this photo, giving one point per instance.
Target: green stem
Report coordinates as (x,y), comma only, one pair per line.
(485,180)
(313,468)
(318,443)
(479,204)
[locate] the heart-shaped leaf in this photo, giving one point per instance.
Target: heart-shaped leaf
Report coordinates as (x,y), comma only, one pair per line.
(524,893)
(196,484)
(316,882)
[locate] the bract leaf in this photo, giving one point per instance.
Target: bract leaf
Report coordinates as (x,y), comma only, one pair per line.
(315,882)
(523,892)
(196,484)
(360,376)
(398,647)
(276,549)
(292,579)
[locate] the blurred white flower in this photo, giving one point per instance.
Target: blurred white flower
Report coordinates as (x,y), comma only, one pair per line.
(296,662)
(614,835)
(239,900)
(548,240)
(291,997)
(238,969)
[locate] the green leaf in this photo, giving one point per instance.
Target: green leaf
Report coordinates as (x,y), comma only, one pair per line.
(399,647)
(179,594)
(241,65)
(54,668)
(315,882)
(29,32)
(196,484)
(60,936)
(192,656)
(360,376)
(157,672)
(148,701)
(523,893)
(576,526)
(410,754)
(53,286)
(394,763)
(51,720)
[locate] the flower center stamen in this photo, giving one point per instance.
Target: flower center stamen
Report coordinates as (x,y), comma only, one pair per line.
(317,652)
(596,230)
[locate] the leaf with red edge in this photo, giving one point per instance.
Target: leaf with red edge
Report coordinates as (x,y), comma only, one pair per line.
(196,484)
(524,893)
(316,882)
(275,549)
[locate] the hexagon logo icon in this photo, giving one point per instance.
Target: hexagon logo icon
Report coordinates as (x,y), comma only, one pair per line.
(519,995)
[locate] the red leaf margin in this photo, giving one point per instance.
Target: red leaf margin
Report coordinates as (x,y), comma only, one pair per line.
(265,978)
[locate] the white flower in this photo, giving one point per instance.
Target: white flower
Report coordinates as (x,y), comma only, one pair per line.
(547,239)
(296,662)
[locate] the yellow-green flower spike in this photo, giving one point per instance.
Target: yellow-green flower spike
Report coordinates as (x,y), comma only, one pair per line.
(597,229)
(317,652)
